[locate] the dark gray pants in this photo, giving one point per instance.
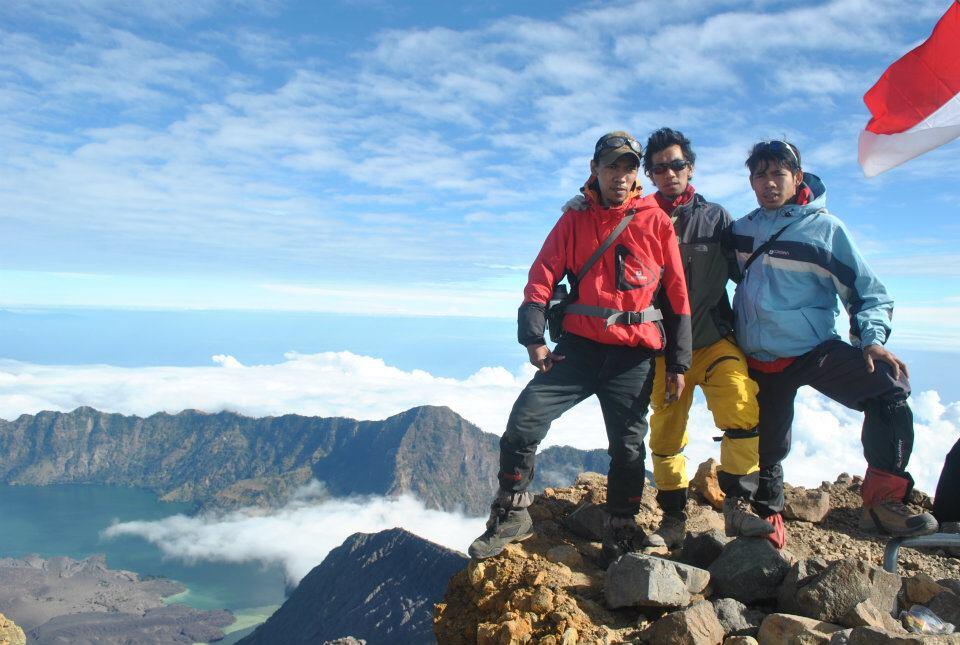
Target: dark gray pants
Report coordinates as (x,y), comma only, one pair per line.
(838,371)
(622,378)
(946,504)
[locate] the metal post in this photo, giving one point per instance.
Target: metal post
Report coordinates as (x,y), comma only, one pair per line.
(892,551)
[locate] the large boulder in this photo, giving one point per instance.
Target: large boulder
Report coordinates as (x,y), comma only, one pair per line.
(701,549)
(694,625)
(801,573)
(837,590)
(786,629)
(749,570)
(806,505)
(643,580)
(737,619)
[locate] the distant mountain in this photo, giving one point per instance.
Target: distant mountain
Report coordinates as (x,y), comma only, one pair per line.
(227,459)
(380,587)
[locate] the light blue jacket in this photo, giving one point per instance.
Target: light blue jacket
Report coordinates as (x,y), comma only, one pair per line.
(786,303)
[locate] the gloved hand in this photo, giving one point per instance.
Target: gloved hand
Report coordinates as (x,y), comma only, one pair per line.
(577,203)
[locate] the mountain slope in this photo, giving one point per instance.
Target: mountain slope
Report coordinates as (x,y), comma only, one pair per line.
(380,587)
(227,459)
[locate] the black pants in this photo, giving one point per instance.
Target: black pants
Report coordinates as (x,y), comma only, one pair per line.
(838,371)
(946,503)
(622,378)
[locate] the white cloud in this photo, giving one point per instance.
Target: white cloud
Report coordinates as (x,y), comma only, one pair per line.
(826,435)
(299,536)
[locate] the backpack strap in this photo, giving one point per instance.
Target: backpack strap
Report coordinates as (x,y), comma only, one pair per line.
(606,244)
(760,250)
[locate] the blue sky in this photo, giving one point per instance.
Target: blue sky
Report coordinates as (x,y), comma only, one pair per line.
(359,157)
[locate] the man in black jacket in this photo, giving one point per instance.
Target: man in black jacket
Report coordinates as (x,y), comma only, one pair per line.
(718,366)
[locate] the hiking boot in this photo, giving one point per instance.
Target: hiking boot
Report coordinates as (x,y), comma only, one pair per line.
(669,534)
(505,525)
(622,535)
(896,519)
(739,519)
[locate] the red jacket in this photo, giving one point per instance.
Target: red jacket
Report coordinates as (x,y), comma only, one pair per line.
(644,259)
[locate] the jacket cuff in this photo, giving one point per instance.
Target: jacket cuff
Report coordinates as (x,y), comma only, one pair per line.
(531,322)
(873,337)
(677,369)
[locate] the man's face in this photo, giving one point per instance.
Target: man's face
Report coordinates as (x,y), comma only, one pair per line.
(616,179)
(668,181)
(774,185)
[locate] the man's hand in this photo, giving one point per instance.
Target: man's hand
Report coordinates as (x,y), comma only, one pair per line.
(872,353)
(577,203)
(542,358)
(674,383)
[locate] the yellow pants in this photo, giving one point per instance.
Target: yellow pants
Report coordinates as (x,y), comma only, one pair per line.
(720,370)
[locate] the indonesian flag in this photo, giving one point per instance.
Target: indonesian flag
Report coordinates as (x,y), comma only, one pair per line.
(916,103)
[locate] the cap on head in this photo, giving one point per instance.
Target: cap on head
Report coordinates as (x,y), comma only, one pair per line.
(614,145)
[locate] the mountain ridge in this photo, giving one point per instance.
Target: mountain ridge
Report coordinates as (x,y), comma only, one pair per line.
(225,459)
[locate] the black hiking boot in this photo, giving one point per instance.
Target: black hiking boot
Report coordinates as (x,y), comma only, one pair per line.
(669,534)
(505,525)
(622,535)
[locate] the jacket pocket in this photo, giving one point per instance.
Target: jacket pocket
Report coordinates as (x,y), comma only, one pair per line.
(632,272)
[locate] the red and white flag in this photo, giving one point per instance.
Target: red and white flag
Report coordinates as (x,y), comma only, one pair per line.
(916,103)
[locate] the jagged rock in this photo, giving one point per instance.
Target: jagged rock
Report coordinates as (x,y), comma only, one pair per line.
(920,589)
(787,629)
(946,605)
(866,614)
(701,549)
(740,640)
(694,625)
(10,633)
(833,592)
(806,505)
(587,521)
(642,580)
(380,587)
(749,570)
(801,573)
(737,619)
(705,483)
(875,636)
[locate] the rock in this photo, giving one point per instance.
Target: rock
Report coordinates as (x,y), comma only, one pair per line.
(701,549)
(565,553)
(951,584)
(749,570)
(787,629)
(946,605)
(737,619)
(541,601)
(840,638)
(865,614)
(807,505)
(836,590)
(921,499)
(570,637)
(638,579)
(801,573)
(875,636)
(705,483)
(740,640)
(695,625)
(920,589)
(587,521)
(10,633)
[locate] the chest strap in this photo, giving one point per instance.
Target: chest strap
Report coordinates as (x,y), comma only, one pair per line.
(615,316)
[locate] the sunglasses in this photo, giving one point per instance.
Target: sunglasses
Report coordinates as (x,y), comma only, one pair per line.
(617,142)
(777,147)
(676,166)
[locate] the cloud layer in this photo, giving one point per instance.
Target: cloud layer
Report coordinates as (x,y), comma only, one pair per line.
(826,435)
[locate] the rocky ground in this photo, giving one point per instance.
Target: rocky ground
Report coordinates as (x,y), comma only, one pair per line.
(61,600)
(827,584)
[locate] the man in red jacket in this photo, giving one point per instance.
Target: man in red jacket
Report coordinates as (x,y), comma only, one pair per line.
(611,331)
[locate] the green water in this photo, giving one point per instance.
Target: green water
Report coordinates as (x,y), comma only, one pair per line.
(67,520)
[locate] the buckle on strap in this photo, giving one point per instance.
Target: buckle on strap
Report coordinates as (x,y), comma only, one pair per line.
(615,316)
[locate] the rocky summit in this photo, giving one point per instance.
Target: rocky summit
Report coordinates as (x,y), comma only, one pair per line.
(377,588)
(826,587)
(229,460)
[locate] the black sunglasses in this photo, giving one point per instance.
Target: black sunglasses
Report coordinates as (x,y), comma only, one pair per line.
(616,142)
(777,147)
(676,166)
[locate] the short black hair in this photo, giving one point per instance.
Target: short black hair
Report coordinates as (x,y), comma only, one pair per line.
(782,153)
(661,140)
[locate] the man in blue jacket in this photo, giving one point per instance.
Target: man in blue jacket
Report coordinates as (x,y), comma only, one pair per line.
(796,259)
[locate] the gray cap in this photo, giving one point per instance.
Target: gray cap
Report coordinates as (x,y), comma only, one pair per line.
(614,145)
